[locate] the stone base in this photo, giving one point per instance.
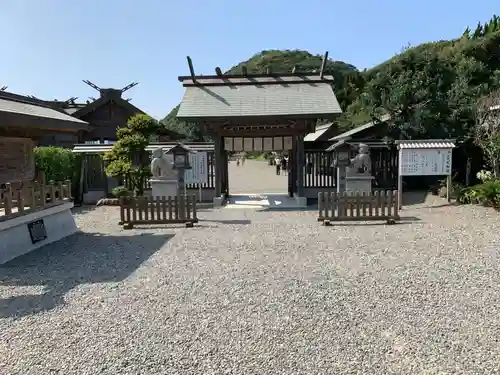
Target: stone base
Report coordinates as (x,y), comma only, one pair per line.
(301,201)
(361,184)
(219,201)
(163,188)
(15,239)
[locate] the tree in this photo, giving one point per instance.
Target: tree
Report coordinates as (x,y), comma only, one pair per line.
(57,163)
(488,130)
(128,158)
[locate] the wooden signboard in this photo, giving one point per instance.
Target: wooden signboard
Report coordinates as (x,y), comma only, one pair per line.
(287,143)
(228,143)
(238,144)
(267,144)
(247,144)
(278,144)
(257,144)
(17,160)
(425,162)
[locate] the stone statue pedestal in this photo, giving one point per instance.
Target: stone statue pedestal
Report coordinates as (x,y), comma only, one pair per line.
(163,188)
(358,183)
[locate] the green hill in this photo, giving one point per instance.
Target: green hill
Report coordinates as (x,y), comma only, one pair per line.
(429,90)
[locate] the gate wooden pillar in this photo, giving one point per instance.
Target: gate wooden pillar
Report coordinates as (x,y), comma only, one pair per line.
(219,165)
(225,176)
(299,153)
(292,176)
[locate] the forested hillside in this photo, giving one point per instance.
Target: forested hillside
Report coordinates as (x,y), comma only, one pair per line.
(429,90)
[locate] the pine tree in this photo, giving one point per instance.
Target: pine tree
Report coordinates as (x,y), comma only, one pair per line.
(466,33)
(478,33)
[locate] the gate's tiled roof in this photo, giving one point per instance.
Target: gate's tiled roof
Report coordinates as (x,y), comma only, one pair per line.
(273,96)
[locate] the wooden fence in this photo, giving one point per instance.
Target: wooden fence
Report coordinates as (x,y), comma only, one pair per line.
(319,170)
(378,205)
(23,198)
(159,210)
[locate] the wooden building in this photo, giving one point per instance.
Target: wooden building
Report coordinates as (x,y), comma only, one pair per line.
(104,115)
(320,139)
(258,112)
(26,117)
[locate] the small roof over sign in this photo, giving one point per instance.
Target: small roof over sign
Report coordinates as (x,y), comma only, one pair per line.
(425,144)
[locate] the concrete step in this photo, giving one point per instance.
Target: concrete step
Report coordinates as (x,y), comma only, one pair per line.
(263,201)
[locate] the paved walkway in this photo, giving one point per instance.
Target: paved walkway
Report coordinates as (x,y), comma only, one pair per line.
(256,177)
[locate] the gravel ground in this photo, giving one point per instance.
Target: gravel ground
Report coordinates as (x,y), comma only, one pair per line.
(252,292)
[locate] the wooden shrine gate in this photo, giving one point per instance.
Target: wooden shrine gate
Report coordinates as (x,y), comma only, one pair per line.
(254,111)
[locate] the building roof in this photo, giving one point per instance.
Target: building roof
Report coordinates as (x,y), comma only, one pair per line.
(19,110)
(426,144)
(299,96)
(320,130)
(102,148)
(370,144)
(348,134)
(82,111)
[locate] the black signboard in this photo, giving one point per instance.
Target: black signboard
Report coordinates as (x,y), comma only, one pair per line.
(37,231)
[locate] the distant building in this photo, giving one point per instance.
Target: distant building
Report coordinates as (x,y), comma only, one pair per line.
(104,116)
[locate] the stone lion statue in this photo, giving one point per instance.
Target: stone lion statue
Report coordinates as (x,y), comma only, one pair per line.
(161,167)
(361,163)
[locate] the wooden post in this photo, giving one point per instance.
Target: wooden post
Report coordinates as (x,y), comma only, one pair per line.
(52,193)
(400,191)
(31,197)
(218,166)
(300,165)
(8,200)
(195,215)
(292,160)
(448,187)
(68,183)
(226,168)
(20,201)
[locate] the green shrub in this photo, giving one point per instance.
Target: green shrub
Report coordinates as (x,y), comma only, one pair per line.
(121,192)
(487,193)
(57,163)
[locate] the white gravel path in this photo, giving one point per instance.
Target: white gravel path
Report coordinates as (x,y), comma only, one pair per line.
(259,293)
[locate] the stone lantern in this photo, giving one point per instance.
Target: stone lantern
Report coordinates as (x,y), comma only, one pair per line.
(180,155)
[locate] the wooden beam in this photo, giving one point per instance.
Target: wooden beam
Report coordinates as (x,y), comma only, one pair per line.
(323,65)
(218,71)
(244,70)
(268,70)
(191,68)
(294,69)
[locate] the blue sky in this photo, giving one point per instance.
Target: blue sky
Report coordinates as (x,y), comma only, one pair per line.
(49,46)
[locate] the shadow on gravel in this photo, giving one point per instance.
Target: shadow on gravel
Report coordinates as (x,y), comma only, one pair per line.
(83,209)
(404,220)
(84,258)
(227,222)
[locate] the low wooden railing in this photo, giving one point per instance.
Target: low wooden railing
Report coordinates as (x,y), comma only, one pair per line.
(23,198)
(377,205)
(159,210)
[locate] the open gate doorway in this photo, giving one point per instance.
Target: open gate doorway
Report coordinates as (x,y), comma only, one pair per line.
(258,165)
